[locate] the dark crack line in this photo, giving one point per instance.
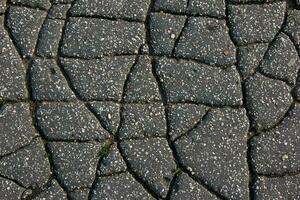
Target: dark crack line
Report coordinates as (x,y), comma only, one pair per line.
(188,13)
(270,44)
(143,137)
(47,149)
(198,124)
(34,118)
(125,19)
(150,10)
(99,57)
(34,103)
(251,168)
(94,112)
(134,175)
(76,140)
(77,95)
(8,31)
(33,106)
(171,186)
(17,4)
(53,169)
(22,147)
(58,61)
(203,183)
(251,172)
(91,190)
(117,135)
(31,59)
(287,113)
(179,37)
(293,91)
(120,102)
(270,76)
(298,73)
(148,26)
(198,180)
(125,86)
(66,76)
(170,143)
(14,181)
(37,191)
(281,30)
(165,104)
(205,104)
(281,175)
(151,54)
(253,2)
(275,78)
(192,15)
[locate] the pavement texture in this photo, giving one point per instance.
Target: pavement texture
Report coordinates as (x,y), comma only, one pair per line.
(140,99)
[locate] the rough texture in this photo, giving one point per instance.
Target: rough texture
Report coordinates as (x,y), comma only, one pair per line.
(53,192)
(278,151)
(143,120)
(141,85)
(113,37)
(189,81)
(215,8)
(80,194)
(221,144)
(124,187)
(67,121)
(278,188)
(99,79)
(267,101)
(76,163)
(206,40)
(16,127)
(282,60)
(50,37)
(48,82)
(10,190)
(44,4)
(152,161)
(58,11)
(164,31)
(250,57)
(184,117)
(108,113)
(149,99)
(112,162)
(186,188)
(126,9)
(25,24)
(255,23)
(2,6)
(174,6)
(12,76)
(297,92)
(292,27)
(29,165)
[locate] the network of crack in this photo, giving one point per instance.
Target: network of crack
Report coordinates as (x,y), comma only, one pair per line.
(141,99)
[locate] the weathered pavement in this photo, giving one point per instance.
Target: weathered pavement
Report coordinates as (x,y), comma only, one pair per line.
(140,99)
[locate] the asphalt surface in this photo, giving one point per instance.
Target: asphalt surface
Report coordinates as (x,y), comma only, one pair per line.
(140,99)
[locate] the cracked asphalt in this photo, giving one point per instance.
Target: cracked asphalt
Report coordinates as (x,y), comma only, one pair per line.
(149,99)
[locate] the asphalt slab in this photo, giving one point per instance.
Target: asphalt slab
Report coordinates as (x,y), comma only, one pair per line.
(149,99)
